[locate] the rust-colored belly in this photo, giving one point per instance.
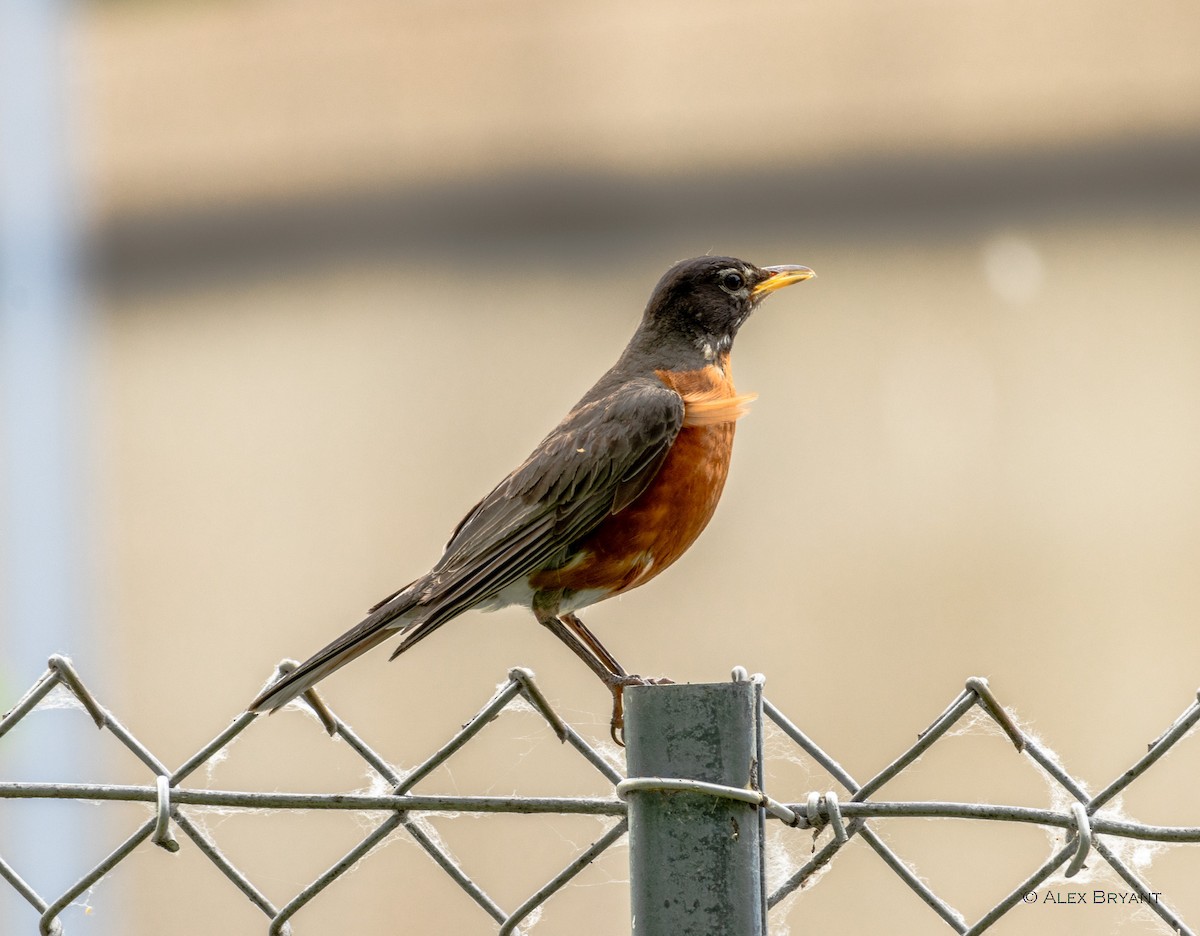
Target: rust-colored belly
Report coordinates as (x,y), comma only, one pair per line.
(633,546)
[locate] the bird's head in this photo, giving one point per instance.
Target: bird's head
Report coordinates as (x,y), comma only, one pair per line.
(705,301)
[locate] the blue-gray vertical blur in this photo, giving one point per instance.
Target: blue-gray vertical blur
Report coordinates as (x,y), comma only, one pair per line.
(43,608)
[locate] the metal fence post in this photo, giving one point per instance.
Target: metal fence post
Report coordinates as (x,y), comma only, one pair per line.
(695,859)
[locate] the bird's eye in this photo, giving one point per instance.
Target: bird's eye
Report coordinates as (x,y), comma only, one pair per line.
(732,281)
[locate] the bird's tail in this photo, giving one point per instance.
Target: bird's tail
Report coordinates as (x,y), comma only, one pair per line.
(381,623)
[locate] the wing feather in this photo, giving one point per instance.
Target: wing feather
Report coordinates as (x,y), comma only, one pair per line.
(593,464)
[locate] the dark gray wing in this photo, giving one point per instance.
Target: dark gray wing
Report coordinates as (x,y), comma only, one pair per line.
(595,463)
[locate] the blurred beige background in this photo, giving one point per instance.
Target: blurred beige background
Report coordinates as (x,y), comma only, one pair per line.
(351,261)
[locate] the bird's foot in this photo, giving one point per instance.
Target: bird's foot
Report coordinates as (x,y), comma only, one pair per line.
(616,685)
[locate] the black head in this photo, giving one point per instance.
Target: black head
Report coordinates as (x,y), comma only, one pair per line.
(703,302)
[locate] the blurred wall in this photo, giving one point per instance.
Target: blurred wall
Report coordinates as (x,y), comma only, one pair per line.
(202,102)
(352,260)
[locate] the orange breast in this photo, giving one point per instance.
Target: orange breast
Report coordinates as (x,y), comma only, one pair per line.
(633,546)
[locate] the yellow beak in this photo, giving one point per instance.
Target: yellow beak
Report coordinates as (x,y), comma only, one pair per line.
(784,275)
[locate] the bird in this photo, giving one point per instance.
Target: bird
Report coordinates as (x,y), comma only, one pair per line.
(615,494)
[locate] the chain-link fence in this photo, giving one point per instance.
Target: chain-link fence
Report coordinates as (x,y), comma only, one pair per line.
(832,818)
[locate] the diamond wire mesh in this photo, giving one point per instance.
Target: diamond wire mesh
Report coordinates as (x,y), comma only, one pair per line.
(848,820)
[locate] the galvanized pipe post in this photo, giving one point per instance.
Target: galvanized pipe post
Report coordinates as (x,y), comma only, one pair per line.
(695,859)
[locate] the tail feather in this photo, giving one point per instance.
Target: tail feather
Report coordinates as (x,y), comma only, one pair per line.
(383,621)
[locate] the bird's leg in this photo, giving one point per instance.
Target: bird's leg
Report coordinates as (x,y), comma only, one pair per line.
(560,630)
(591,641)
(619,679)
(611,675)
(583,643)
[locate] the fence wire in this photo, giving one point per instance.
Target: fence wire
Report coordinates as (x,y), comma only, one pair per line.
(847,820)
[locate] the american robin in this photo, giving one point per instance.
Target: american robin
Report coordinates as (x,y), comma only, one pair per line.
(611,497)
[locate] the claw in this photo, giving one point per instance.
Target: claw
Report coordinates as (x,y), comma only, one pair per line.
(617,686)
(617,729)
